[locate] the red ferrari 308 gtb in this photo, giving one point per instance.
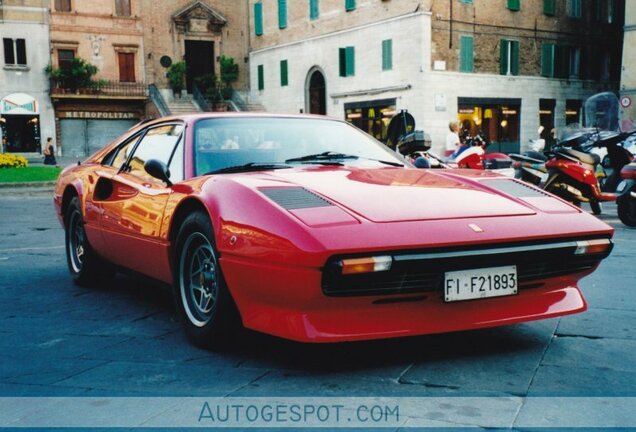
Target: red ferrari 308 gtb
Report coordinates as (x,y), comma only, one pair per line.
(307,228)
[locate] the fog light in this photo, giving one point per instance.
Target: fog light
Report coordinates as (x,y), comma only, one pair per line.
(366,265)
(589,247)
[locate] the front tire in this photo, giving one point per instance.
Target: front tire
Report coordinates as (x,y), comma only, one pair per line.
(627,209)
(596,207)
(85,266)
(202,299)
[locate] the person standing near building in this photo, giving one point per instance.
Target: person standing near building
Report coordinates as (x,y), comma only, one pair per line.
(49,152)
(452,139)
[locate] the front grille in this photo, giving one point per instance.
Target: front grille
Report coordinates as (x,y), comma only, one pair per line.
(424,272)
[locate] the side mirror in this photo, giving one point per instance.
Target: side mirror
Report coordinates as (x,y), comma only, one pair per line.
(158,170)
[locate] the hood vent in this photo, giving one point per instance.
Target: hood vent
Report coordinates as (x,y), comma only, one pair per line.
(515,188)
(294,198)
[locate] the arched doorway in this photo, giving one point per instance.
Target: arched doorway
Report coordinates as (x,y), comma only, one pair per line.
(316,95)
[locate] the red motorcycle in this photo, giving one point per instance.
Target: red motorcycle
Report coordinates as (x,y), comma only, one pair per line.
(572,170)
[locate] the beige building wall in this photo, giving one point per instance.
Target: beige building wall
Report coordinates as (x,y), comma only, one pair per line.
(628,78)
(333,17)
(163,37)
(95,33)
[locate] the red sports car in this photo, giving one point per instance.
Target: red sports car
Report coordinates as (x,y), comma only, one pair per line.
(306,228)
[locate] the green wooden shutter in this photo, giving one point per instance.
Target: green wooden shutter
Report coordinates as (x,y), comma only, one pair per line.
(351,61)
(466,54)
(261,77)
(284,73)
(258,19)
(503,57)
(514,5)
(549,7)
(282,14)
(514,58)
(314,11)
(547,60)
(387,54)
(350,5)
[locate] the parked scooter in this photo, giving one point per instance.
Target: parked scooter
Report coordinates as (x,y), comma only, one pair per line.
(572,170)
(627,195)
(530,165)
(473,155)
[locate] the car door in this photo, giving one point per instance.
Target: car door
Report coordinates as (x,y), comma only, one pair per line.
(132,201)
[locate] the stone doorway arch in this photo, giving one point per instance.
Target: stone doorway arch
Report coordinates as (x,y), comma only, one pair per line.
(316,92)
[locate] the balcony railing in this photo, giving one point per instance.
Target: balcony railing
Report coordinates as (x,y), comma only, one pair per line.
(100,88)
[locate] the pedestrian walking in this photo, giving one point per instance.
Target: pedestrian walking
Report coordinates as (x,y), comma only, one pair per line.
(49,152)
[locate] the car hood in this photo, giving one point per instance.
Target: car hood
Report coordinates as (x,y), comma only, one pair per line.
(397,194)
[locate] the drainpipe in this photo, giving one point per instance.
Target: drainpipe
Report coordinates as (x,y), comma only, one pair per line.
(450,26)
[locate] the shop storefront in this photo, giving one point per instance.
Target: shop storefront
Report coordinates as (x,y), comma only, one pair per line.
(20,124)
(84,128)
(498,120)
(373,117)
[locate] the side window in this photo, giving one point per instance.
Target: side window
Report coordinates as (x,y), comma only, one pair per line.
(119,154)
(176,163)
(158,143)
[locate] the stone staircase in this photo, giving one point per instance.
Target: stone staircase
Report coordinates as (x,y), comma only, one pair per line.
(183,105)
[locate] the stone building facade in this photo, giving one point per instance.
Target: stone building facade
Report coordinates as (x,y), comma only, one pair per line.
(628,77)
(502,67)
(26,114)
(108,35)
(199,32)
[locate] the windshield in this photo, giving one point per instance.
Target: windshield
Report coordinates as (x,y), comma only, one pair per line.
(602,112)
(222,144)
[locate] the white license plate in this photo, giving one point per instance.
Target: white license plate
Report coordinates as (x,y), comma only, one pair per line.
(480,283)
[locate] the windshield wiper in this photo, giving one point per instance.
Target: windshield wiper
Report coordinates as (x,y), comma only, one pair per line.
(333,156)
(248,167)
(324,156)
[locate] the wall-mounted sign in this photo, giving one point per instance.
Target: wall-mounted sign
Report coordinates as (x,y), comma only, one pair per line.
(98,115)
(626,101)
(19,103)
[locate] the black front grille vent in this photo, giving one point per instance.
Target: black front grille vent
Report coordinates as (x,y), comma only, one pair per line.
(294,198)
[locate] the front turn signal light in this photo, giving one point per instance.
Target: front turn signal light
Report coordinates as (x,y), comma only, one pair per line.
(366,265)
(592,247)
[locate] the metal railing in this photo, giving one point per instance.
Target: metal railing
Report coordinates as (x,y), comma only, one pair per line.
(238,101)
(199,99)
(98,88)
(158,100)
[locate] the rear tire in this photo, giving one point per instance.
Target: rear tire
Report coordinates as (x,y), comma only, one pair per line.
(202,299)
(627,209)
(85,266)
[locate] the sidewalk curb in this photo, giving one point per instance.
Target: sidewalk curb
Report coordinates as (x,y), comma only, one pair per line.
(25,185)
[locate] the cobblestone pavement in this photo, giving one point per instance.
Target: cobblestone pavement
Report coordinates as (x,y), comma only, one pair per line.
(57,339)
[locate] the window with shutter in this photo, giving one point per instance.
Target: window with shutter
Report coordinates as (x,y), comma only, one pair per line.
(466,54)
(514,5)
(9,54)
(258,19)
(282,14)
(63,5)
(549,7)
(122,7)
(350,5)
(387,54)
(126,67)
(509,57)
(65,58)
(346,57)
(261,77)
(314,10)
(284,73)
(20,52)
(547,60)
(574,8)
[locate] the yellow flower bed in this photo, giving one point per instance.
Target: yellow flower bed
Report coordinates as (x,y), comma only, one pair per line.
(12,161)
